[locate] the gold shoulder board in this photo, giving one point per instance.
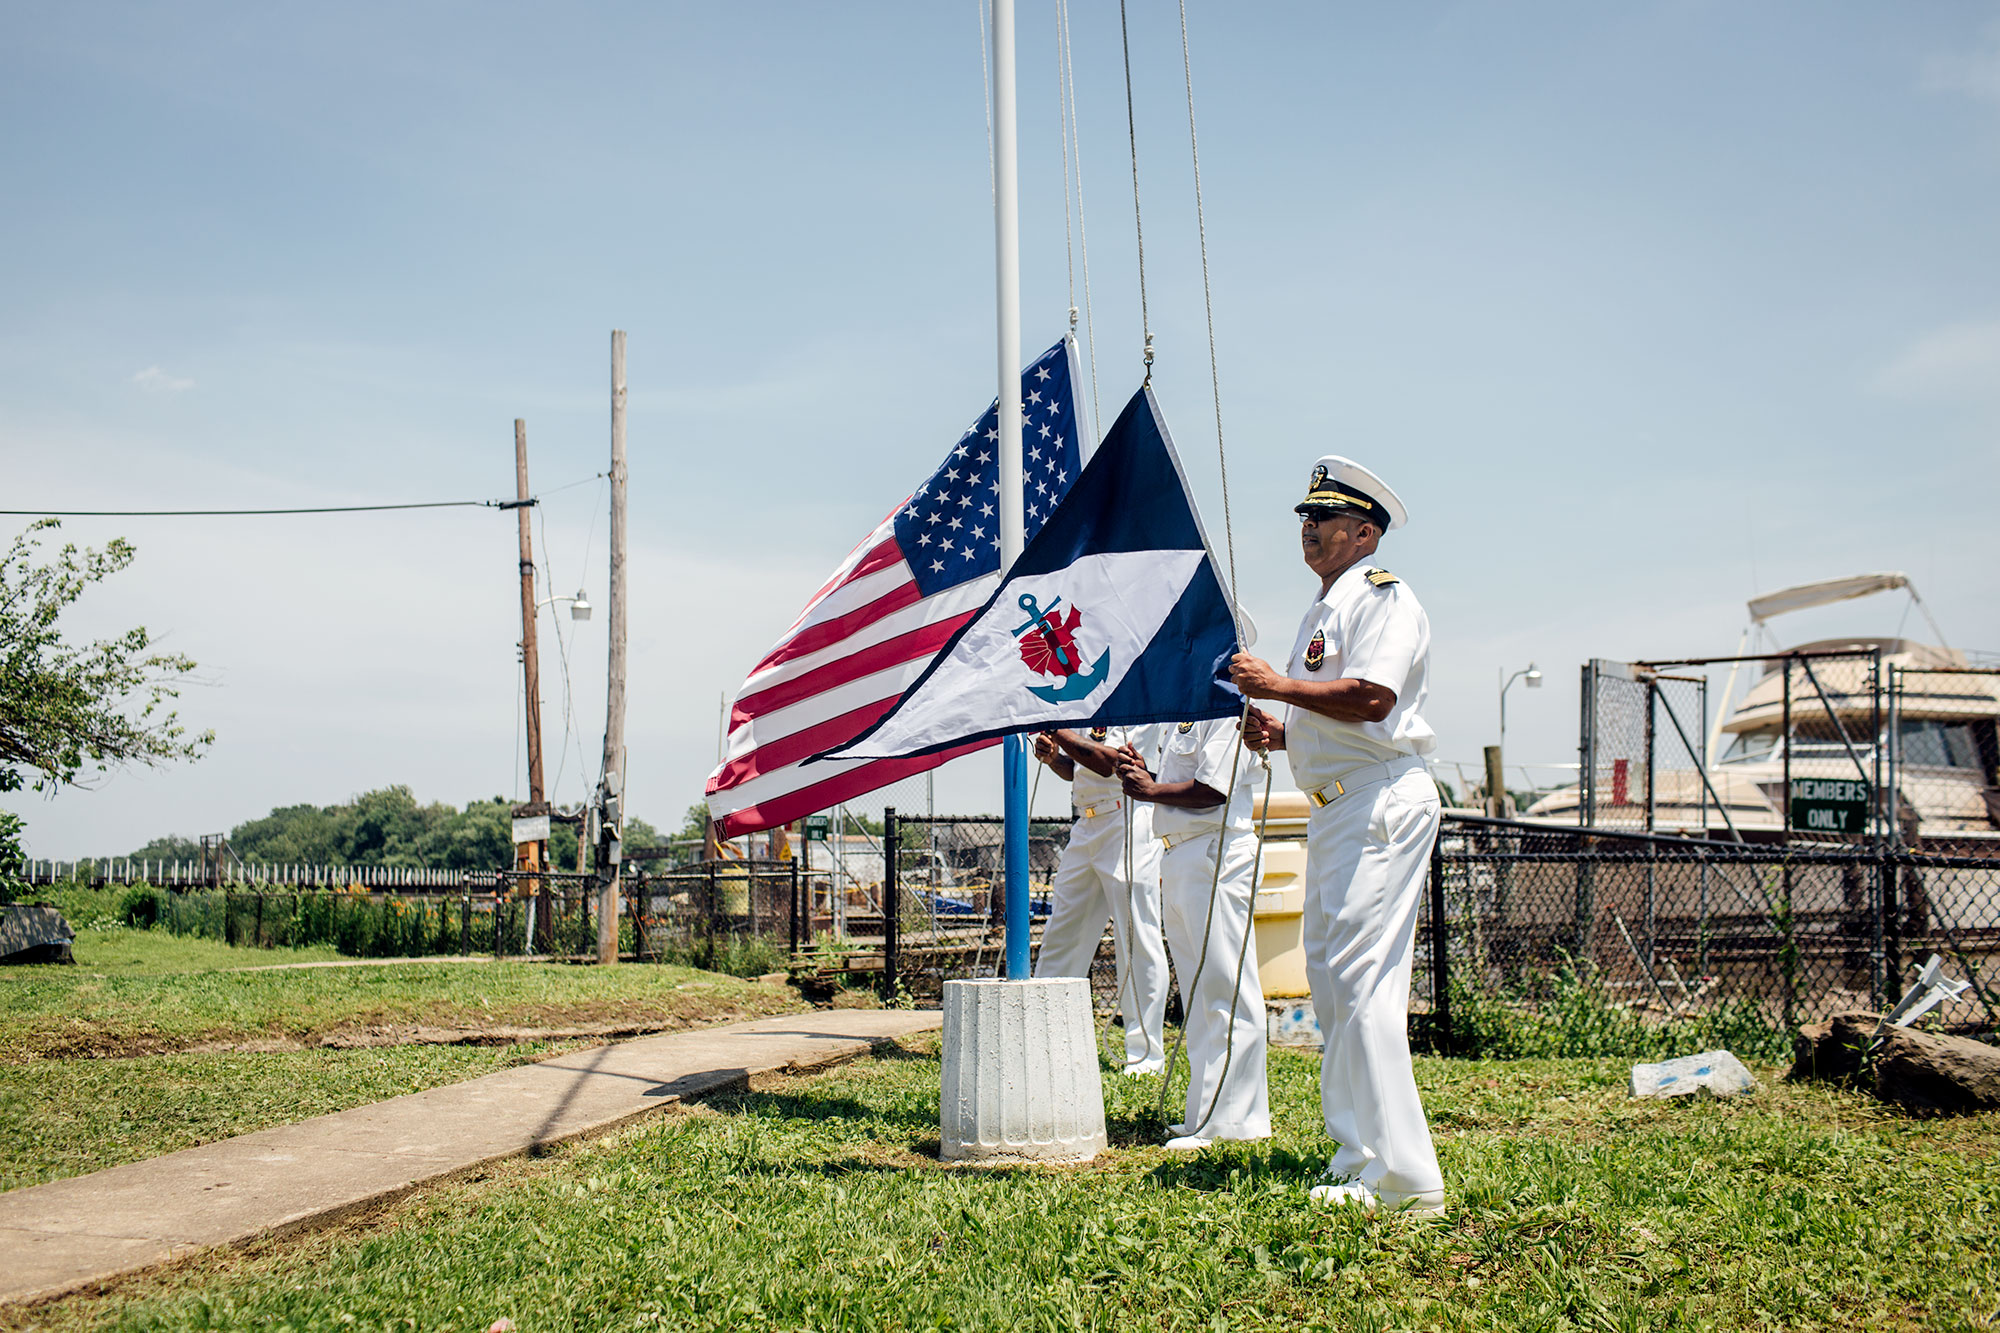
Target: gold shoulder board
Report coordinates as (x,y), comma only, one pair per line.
(1381,578)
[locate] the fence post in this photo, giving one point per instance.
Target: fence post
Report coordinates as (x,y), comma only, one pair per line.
(709,917)
(228,918)
(260,920)
(795,910)
(892,904)
(1440,950)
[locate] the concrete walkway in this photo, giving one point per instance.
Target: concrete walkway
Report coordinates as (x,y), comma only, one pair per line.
(72,1234)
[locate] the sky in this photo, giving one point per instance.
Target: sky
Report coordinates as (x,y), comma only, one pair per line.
(1642,309)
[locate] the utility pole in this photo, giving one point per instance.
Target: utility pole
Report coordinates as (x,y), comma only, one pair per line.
(610,792)
(530,856)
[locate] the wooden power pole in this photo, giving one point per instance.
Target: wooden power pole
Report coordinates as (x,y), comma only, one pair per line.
(612,788)
(530,856)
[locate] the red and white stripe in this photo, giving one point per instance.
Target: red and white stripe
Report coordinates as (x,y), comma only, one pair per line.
(860,642)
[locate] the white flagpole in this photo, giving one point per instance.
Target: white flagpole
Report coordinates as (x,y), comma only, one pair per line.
(1019,1080)
(1007,274)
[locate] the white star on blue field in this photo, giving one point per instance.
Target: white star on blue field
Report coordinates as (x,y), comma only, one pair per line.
(950,528)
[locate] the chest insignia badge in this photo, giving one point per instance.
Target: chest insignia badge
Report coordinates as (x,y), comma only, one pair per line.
(1316,651)
(1099,733)
(1184,728)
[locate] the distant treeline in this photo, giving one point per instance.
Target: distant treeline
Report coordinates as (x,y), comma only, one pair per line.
(389,827)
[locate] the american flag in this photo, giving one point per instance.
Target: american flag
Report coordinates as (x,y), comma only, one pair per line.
(871,631)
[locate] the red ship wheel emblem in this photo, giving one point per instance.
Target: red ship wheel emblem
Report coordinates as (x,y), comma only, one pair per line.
(1048,646)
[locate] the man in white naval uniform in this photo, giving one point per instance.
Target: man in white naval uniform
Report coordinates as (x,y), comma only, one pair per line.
(1353,725)
(1221,992)
(1094,881)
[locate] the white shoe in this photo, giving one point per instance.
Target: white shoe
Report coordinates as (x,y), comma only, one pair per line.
(1345,1193)
(1148,1067)
(1414,1205)
(1186,1143)
(1177,1130)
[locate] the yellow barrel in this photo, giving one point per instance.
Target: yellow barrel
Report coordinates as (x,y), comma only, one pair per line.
(1278,914)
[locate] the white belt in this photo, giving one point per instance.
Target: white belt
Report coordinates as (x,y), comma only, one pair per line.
(1173,840)
(1360,775)
(1098,808)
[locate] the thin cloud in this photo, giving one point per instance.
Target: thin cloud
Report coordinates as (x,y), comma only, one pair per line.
(1958,361)
(1974,73)
(154,380)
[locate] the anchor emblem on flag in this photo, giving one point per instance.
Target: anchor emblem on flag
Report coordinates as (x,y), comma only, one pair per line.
(1048,647)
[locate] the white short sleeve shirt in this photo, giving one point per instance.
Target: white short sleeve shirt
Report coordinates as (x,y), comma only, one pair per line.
(1203,752)
(1087,788)
(1369,630)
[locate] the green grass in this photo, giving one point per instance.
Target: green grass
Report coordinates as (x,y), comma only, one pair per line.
(141,992)
(68,1117)
(820,1205)
(119,949)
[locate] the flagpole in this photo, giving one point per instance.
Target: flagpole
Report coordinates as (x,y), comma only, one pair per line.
(1007,272)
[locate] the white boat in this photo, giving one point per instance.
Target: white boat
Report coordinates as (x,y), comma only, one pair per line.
(1933,717)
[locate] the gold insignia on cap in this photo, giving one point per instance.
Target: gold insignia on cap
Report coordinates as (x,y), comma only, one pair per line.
(1381,578)
(1319,475)
(1316,651)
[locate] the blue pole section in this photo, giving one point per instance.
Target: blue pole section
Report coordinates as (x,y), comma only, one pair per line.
(1015,775)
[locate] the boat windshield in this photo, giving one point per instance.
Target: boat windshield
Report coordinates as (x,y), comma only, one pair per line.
(1940,744)
(1750,746)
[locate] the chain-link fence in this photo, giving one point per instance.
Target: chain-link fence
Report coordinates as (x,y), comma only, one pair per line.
(944,898)
(1893,741)
(1945,754)
(1679,926)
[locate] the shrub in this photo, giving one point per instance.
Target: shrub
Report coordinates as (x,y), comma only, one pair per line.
(1569,1014)
(142,906)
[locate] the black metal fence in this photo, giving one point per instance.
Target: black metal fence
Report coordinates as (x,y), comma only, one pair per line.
(505,913)
(1676,926)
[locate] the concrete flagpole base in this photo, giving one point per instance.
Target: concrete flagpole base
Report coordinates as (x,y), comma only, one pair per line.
(1020,1072)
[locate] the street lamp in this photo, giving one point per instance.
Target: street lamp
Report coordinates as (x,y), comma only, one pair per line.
(1496,778)
(579,605)
(1533,674)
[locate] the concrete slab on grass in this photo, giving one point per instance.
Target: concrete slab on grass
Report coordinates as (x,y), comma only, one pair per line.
(72,1234)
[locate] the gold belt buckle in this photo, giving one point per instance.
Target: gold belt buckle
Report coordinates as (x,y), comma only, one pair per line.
(1321,800)
(1090,812)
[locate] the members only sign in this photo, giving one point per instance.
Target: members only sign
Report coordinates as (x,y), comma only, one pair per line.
(1830,805)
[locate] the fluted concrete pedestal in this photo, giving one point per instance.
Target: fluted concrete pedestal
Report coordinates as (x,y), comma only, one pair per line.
(1020,1072)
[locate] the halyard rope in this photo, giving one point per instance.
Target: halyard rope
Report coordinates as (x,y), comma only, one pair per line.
(1067,70)
(1138,223)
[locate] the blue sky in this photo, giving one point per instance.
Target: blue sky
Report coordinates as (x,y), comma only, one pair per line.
(1643,308)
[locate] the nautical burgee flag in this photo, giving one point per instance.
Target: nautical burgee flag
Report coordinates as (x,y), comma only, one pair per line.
(884,614)
(1114,615)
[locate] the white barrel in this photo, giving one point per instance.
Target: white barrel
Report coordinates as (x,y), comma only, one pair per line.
(1020,1072)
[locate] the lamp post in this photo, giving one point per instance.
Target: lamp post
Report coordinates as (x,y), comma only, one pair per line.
(1533,675)
(1496,778)
(579,605)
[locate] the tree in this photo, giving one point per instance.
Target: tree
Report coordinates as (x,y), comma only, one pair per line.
(65,707)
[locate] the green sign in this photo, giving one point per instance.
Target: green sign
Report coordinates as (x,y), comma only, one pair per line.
(817,827)
(1830,805)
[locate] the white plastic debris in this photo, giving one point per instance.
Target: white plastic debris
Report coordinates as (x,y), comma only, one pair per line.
(1718,1071)
(1932,988)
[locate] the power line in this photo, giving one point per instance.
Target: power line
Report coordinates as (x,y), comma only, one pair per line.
(215,513)
(321,509)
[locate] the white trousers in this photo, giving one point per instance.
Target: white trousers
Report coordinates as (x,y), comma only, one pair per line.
(1367,855)
(1091,887)
(1228,1074)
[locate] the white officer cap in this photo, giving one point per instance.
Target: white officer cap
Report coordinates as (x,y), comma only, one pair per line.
(1341,483)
